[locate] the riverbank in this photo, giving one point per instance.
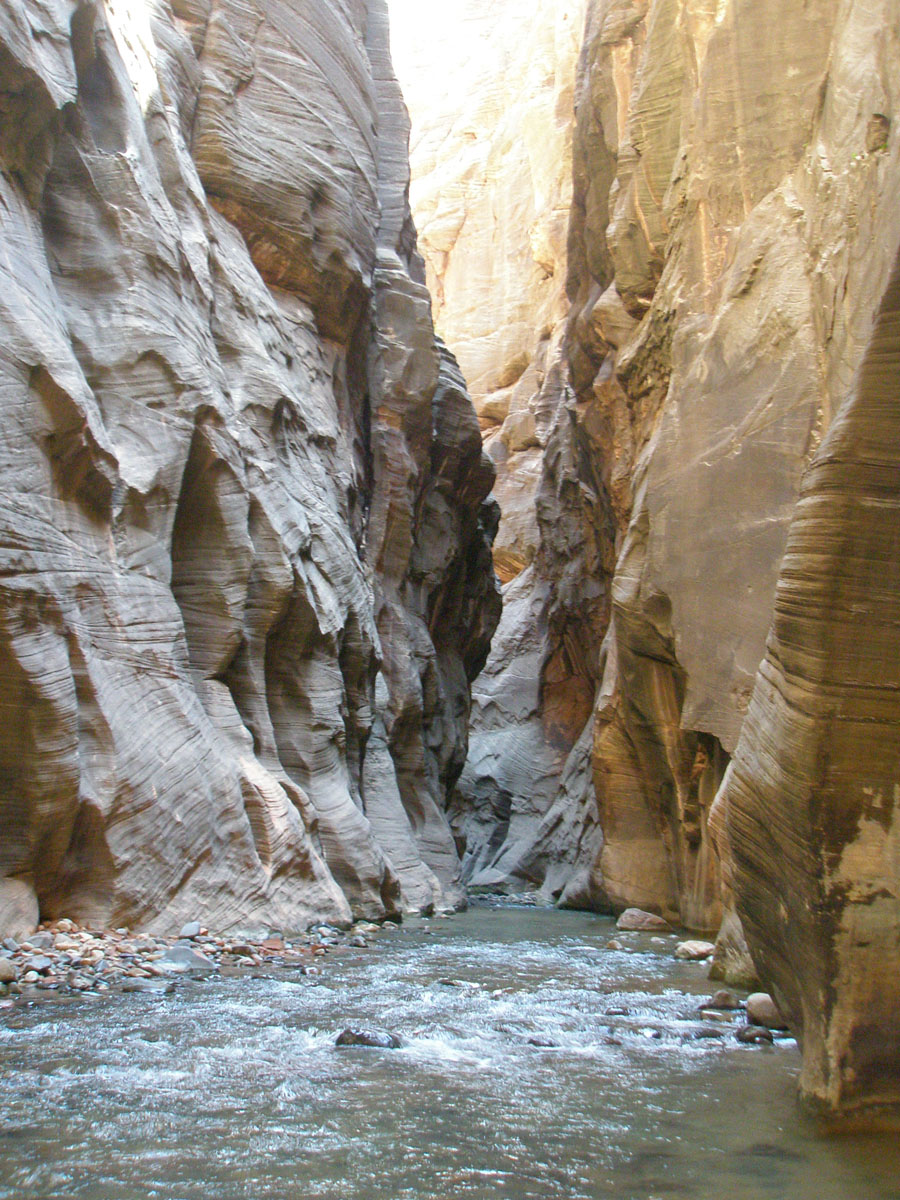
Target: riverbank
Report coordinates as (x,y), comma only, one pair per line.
(65,959)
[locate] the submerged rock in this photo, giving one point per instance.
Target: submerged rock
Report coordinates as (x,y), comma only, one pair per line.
(375,1038)
(754,1034)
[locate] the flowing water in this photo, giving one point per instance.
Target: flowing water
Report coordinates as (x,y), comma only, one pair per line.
(563,1070)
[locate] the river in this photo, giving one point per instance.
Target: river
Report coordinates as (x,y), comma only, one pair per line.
(544,1066)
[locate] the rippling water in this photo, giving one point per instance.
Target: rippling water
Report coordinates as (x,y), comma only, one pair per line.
(233,1089)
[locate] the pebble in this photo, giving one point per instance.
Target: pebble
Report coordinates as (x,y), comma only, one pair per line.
(88,962)
(184,958)
(615,944)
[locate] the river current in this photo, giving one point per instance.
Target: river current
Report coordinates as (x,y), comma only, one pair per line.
(535,1063)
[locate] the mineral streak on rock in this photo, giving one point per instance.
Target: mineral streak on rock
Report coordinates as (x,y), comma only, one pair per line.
(240,477)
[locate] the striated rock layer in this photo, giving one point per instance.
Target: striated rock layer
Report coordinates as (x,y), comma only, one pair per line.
(811,803)
(491,154)
(245,575)
(734,220)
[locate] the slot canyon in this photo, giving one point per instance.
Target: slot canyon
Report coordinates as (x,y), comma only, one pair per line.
(450,528)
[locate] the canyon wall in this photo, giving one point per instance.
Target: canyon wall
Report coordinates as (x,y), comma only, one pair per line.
(716,446)
(246,574)
(491,154)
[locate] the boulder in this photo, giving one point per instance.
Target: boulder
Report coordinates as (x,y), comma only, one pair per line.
(636,920)
(762,1010)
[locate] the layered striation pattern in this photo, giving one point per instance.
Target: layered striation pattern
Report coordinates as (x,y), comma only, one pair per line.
(245,572)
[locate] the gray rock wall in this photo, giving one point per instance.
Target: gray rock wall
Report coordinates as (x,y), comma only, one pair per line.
(242,520)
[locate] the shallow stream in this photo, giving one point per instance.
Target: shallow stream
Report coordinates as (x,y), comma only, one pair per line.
(545,1066)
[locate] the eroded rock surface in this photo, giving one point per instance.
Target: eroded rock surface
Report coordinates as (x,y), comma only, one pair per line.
(811,804)
(241,479)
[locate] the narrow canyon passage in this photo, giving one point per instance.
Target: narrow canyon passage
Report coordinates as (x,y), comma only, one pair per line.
(449,455)
(535,1064)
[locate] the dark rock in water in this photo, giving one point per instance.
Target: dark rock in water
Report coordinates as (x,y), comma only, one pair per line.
(543,1043)
(375,1038)
(753,1034)
(458,983)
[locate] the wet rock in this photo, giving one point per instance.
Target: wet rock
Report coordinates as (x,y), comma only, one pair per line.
(762,1010)
(543,1043)
(754,1034)
(192,930)
(10,944)
(636,920)
(8,972)
(358,941)
(694,951)
(723,999)
(458,983)
(154,986)
(615,944)
(375,1038)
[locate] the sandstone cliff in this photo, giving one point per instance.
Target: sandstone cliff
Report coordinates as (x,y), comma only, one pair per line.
(246,575)
(733,225)
(491,154)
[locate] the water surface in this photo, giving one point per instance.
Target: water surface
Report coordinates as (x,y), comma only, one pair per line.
(233,1089)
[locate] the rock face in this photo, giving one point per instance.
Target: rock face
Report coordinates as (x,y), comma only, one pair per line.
(491,153)
(720,427)
(244,529)
(811,804)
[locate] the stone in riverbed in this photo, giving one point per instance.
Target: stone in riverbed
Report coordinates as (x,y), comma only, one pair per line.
(636,920)
(191,930)
(155,986)
(751,1035)
(762,1010)
(42,940)
(615,944)
(374,1038)
(8,972)
(694,951)
(183,958)
(723,999)
(39,963)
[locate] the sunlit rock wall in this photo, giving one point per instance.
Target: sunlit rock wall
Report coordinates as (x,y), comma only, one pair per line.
(245,551)
(491,195)
(720,320)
